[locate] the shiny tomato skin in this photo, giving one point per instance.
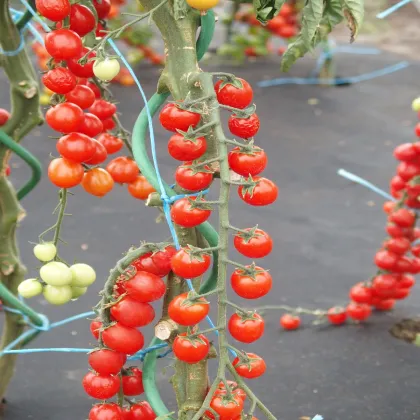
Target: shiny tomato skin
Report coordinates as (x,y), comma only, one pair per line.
(158,263)
(337,316)
(383,304)
(263,194)
(174,118)
(81,95)
(97,182)
(403,217)
(254,369)
(64,173)
(82,20)
(405,281)
(244,128)
(100,154)
(106,362)
(247,164)
(235,390)
(111,143)
(59,80)
(408,170)
(63,44)
(231,95)
(82,70)
(406,152)
(181,148)
(361,293)
(95,89)
(246,330)
(123,169)
(401,293)
(132,313)
(249,288)
(102,8)
(358,311)
(386,260)
(258,246)
(65,117)
(188,267)
(109,124)
(140,188)
(398,245)
(133,382)
(226,409)
(123,339)
(383,285)
(91,125)
(389,206)
(103,109)
(55,10)
(188,314)
(190,352)
(290,322)
(107,411)
(95,325)
(145,287)
(4,116)
(187,179)
(101,387)
(184,215)
(76,147)
(141,411)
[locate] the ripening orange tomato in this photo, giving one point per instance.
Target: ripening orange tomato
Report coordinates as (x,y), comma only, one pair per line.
(97,182)
(64,173)
(140,188)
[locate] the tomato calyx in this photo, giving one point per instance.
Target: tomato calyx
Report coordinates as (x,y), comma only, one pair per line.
(247,149)
(250,271)
(192,299)
(247,315)
(248,234)
(193,337)
(196,253)
(245,359)
(199,203)
(197,167)
(248,185)
(230,79)
(190,135)
(241,113)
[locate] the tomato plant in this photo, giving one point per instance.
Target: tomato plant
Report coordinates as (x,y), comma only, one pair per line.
(190,349)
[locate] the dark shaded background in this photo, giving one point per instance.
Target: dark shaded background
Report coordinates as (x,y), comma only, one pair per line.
(326,231)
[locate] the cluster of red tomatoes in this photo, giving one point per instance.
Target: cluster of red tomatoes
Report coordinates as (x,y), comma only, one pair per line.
(284,25)
(86,141)
(129,309)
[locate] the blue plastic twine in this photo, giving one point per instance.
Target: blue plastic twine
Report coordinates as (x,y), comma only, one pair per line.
(392,9)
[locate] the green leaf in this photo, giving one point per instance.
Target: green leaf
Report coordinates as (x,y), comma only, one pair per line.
(311,18)
(181,9)
(265,10)
(353,11)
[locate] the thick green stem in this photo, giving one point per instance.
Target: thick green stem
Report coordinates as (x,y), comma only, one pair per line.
(25,116)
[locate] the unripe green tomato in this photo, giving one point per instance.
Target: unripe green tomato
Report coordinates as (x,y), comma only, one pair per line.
(106,69)
(83,275)
(30,288)
(45,252)
(415,105)
(57,295)
(78,291)
(56,274)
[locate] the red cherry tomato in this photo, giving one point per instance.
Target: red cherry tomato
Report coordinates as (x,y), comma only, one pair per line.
(123,169)
(244,128)
(109,124)
(262,194)
(183,148)
(405,281)
(111,143)
(107,411)
(227,409)
(187,266)
(158,262)
(95,89)
(141,411)
(60,80)
(386,260)
(287,31)
(123,339)
(337,315)
(408,170)
(383,285)
(100,154)
(397,245)
(65,174)
(253,368)
(102,8)
(193,180)
(140,188)
(55,10)
(63,44)
(253,285)
(103,109)
(95,325)
(389,206)
(190,350)
(358,311)
(132,313)
(233,386)
(174,118)
(97,182)
(247,162)
(4,116)
(76,147)
(246,328)
(259,245)
(145,287)
(99,386)
(106,362)
(236,93)
(401,293)
(360,293)
(65,117)
(406,152)
(184,214)
(290,322)
(82,70)
(188,312)
(91,126)
(403,217)
(82,20)
(383,304)
(81,95)
(133,382)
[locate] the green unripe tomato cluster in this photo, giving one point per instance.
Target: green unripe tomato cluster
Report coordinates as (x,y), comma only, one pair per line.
(59,283)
